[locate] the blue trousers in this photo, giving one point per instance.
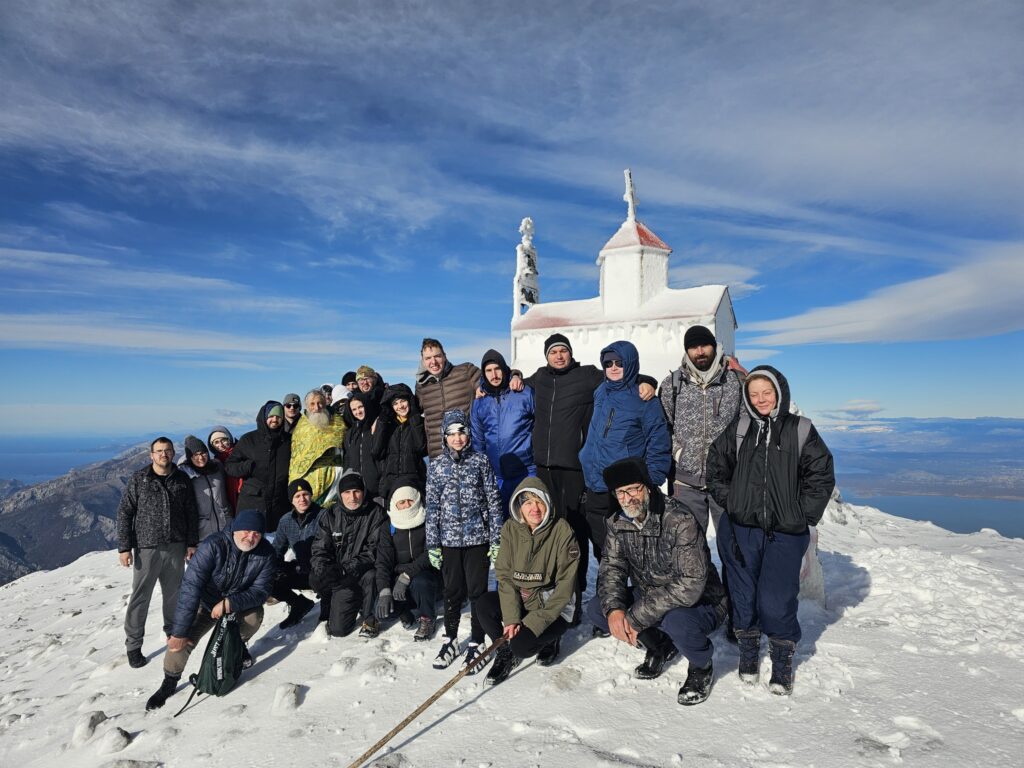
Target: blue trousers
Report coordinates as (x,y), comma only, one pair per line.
(424,591)
(764,578)
(689,629)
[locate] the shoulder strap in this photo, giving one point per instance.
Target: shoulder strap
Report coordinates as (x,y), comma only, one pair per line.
(803,431)
(677,378)
(741,429)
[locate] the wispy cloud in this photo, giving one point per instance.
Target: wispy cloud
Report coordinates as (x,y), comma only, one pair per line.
(980,298)
(736,276)
(856,409)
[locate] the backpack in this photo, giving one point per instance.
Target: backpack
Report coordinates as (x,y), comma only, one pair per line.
(222,661)
(803,430)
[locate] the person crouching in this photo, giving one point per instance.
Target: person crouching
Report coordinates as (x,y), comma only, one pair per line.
(676,599)
(406,581)
(232,571)
(536,574)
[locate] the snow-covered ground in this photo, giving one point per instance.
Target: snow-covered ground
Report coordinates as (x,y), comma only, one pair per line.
(917,659)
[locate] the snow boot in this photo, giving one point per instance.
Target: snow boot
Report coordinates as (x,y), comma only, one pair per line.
(299,608)
(425,630)
(698,684)
(370,628)
(750,655)
(247,660)
(781,652)
(548,653)
(505,663)
(136,658)
(449,652)
(599,633)
(660,651)
(325,609)
(407,619)
(167,688)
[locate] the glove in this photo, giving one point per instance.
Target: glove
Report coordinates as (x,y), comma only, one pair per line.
(384,604)
(492,553)
(401,585)
(435,557)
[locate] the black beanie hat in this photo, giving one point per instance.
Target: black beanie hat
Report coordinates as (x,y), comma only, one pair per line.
(626,472)
(249,520)
(351,481)
(296,484)
(194,445)
(555,340)
(698,336)
(349,378)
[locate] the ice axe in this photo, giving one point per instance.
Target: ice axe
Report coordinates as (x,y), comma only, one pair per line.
(471,667)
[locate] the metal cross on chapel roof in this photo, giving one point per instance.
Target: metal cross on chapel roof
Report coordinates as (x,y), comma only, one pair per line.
(630,196)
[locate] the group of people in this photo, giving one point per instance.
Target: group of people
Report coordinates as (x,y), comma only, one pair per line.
(384,500)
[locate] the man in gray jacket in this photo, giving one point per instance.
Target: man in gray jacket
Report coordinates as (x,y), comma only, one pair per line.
(700,398)
(676,599)
(157,531)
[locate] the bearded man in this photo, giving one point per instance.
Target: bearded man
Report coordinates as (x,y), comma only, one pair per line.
(316,448)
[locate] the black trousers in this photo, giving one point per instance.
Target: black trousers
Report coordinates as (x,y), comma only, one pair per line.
(289,578)
(464,570)
(349,602)
(566,487)
(599,508)
(525,644)
(422,594)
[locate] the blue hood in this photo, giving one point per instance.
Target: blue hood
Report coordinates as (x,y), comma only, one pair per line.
(630,363)
(455,416)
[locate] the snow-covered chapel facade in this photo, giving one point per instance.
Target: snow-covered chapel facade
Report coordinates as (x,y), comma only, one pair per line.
(635,303)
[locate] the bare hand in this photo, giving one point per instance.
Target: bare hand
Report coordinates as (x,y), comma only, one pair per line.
(617,625)
(516,383)
(480,393)
(511,630)
(175,644)
(220,609)
(125,558)
(647,392)
(189,552)
(631,633)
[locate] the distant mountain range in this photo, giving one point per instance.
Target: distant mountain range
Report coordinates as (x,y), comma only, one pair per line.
(51,524)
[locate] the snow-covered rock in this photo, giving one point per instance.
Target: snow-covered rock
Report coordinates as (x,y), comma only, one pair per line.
(917,659)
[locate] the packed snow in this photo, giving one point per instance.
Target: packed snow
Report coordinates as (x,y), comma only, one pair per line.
(914,659)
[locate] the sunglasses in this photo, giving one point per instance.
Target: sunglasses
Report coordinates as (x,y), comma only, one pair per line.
(612,363)
(291,405)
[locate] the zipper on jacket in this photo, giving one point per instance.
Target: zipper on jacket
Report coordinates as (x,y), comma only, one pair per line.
(608,424)
(551,414)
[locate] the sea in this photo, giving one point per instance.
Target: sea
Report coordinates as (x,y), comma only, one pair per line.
(35,459)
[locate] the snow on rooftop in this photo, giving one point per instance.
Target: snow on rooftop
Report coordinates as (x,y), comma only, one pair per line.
(699,302)
(633,233)
(915,661)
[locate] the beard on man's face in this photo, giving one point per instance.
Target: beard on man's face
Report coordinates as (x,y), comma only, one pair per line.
(320,420)
(701,361)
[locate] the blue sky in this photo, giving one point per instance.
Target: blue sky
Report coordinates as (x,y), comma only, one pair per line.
(206,205)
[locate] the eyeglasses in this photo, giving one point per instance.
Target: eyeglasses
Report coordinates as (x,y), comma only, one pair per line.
(292,405)
(631,492)
(612,363)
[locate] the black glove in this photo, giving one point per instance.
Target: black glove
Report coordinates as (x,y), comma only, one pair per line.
(401,586)
(384,604)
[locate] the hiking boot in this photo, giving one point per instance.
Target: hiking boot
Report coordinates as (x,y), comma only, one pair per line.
(166,689)
(660,651)
(247,660)
(449,652)
(407,619)
(325,610)
(504,665)
(136,658)
(698,684)
(472,655)
(548,653)
(781,653)
(425,630)
(370,628)
(750,655)
(296,611)
(599,633)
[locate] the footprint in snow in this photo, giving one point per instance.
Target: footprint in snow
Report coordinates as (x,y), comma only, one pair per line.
(342,666)
(381,669)
(564,679)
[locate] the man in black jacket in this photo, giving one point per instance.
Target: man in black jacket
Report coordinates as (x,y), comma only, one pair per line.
(657,587)
(157,531)
(296,531)
(232,572)
(563,394)
(344,556)
(261,458)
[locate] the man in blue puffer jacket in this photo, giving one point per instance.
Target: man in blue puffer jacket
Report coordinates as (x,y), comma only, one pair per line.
(232,572)
(502,426)
(622,425)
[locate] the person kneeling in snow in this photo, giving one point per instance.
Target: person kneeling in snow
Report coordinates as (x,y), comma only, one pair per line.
(677,599)
(536,572)
(406,581)
(231,572)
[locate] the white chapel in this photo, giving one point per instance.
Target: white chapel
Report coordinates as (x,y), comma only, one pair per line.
(635,303)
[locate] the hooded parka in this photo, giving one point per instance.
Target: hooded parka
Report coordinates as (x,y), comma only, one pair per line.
(261,458)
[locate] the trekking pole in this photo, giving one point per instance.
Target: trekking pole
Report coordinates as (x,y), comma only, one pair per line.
(420,709)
